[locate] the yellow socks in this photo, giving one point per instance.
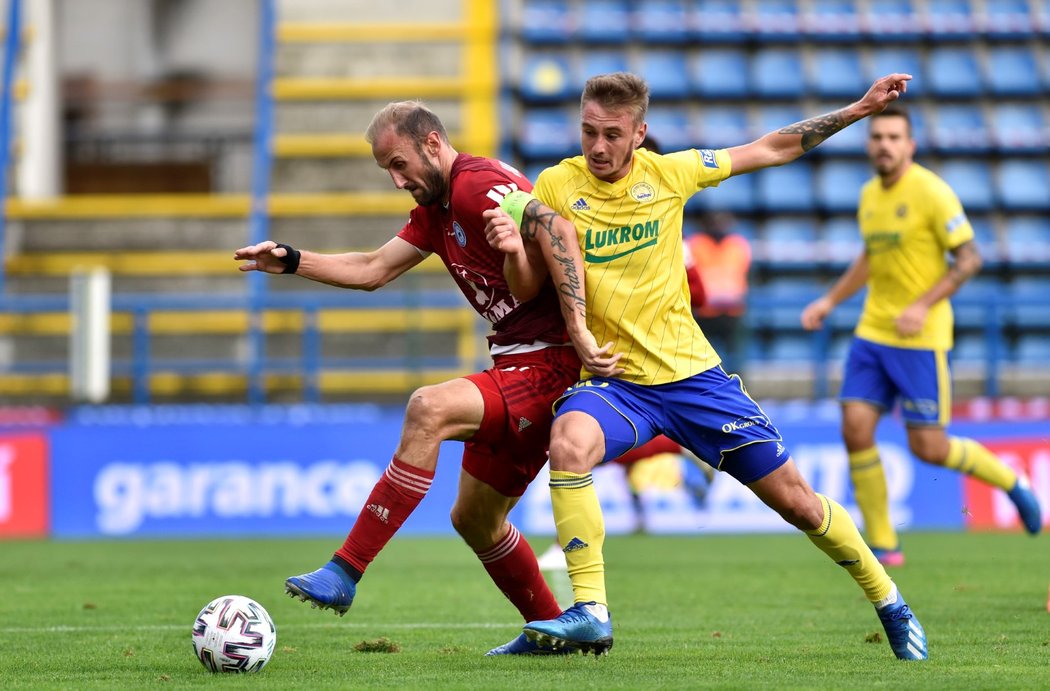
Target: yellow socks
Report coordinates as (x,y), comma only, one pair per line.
(869,489)
(969,457)
(581,533)
(839,538)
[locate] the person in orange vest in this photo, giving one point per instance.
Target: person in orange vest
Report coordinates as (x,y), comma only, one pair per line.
(723,260)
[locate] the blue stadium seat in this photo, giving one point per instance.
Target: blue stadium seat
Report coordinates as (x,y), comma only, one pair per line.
(1012,71)
(790,242)
(960,129)
(953,72)
(603,21)
(662,21)
(795,349)
(666,72)
(776,20)
(737,194)
(888,60)
(720,21)
(836,72)
(970,304)
(893,20)
(1028,302)
(987,241)
(784,299)
(1024,185)
(547,21)
(970,348)
(549,133)
(723,126)
(1020,128)
(1027,240)
(840,238)
(776,73)
(950,20)
(1032,350)
(721,73)
(787,188)
(832,21)
(972,182)
(1006,19)
(546,78)
(839,183)
(770,118)
(595,62)
(838,349)
(671,128)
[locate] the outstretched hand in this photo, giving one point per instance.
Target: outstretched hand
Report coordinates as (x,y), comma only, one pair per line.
(502,232)
(885,91)
(266,257)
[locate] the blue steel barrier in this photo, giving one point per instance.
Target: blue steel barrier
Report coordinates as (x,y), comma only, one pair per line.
(311,363)
(10,57)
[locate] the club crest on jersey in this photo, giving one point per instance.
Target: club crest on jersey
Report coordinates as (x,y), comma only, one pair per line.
(461,237)
(642,192)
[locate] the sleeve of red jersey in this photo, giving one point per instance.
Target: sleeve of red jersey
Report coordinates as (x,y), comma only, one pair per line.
(414,232)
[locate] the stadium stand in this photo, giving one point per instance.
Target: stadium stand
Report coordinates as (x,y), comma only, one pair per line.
(723,72)
(978,110)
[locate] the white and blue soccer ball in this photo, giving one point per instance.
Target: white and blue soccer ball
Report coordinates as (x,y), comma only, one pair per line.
(233,633)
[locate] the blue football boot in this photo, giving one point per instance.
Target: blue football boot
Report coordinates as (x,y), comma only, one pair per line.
(329,587)
(1027,505)
(904,631)
(523,646)
(586,626)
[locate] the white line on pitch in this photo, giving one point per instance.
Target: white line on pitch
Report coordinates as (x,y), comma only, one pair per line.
(176,627)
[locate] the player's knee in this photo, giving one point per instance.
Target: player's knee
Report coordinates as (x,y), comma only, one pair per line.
(857,437)
(569,455)
(426,411)
(929,450)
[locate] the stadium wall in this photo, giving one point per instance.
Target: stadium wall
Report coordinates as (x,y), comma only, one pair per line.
(207,471)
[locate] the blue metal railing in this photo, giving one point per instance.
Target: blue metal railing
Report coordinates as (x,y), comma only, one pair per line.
(259,221)
(310,364)
(11,48)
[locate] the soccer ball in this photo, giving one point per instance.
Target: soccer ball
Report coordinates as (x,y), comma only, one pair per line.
(234,633)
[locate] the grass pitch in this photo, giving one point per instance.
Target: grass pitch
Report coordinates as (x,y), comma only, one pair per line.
(690,612)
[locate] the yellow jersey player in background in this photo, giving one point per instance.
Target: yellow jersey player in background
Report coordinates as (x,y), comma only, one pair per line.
(627,208)
(910,220)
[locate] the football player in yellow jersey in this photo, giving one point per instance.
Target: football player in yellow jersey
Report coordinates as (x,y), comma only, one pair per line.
(627,208)
(909,219)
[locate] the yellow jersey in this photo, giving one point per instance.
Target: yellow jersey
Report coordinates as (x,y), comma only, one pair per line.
(630,234)
(907,230)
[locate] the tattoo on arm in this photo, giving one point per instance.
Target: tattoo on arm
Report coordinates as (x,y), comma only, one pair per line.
(540,220)
(966,263)
(815,130)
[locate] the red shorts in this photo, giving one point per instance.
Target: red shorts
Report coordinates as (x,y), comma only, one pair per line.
(510,447)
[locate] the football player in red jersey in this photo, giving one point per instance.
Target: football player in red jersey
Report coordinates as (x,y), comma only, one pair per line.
(503,414)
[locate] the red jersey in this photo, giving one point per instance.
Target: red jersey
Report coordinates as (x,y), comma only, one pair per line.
(457,234)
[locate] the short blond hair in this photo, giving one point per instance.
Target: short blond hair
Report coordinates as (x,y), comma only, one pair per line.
(618,91)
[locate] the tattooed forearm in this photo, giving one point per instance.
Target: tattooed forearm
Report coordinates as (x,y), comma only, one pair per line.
(966,264)
(815,130)
(542,221)
(571,289)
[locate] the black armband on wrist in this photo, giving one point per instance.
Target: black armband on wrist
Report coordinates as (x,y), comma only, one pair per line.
(290,260)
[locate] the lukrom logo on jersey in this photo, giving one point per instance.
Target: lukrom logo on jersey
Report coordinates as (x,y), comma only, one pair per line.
(645,234)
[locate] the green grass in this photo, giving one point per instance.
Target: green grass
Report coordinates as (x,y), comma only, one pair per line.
(717,611)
